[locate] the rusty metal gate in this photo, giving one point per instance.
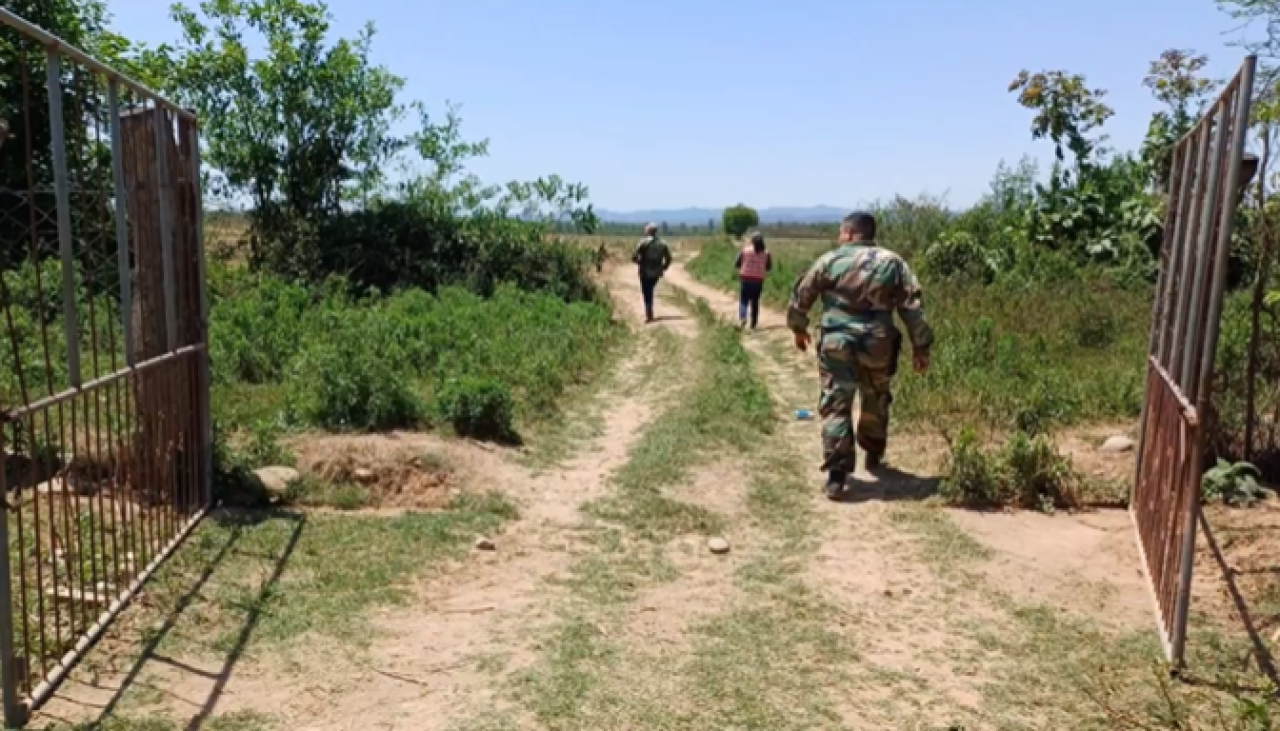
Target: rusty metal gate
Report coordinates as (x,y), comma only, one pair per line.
(1204,187)
(104,402)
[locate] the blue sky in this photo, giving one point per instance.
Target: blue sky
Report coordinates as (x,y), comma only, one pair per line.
(674,103)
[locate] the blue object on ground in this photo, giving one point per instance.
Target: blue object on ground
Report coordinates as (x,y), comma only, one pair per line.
(804,414)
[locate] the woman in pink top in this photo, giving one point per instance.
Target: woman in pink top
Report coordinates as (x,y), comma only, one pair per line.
(753,265)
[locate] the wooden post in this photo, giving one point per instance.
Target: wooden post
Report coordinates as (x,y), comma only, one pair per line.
(138,131)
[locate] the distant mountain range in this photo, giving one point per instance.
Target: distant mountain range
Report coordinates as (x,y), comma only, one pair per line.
(811,214)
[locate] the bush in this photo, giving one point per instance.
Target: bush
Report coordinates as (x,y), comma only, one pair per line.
(344,361)
(478,407)
(1026,472)
(352,376)
(397,245)
(255,325)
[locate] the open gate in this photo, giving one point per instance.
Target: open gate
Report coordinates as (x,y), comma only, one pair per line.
(1206,179)
(104,402)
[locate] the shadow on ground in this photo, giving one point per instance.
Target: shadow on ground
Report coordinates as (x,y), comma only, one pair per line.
(238,521)
(891,485)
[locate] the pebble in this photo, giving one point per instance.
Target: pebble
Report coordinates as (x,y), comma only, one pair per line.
(485,544)
(363,474)
(718,545)
(1117,445)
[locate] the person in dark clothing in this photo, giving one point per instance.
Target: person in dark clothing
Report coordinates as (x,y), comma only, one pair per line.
(652,256)
(753,264)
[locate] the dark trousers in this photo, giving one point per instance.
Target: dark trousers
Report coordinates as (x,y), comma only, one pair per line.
(647,285)
(749,298)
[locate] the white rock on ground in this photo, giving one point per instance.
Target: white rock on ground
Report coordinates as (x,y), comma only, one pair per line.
(276,480)
(718,545)
(1117,444)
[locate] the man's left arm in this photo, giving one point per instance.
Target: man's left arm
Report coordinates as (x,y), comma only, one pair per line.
(911,310)
(666,256)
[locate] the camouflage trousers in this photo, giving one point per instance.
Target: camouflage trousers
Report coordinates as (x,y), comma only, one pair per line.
(850,365)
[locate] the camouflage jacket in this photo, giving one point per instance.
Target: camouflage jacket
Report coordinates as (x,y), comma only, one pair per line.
(861,285)
(653,255)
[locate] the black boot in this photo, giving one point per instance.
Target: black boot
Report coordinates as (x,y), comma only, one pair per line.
(835,484)
(874,460)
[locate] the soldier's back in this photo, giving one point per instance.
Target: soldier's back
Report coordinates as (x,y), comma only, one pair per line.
(867,282)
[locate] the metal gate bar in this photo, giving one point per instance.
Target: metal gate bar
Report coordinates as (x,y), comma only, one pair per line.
(105,435)
(1204,188)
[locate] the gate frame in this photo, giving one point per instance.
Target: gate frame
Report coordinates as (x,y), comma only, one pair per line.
(17,708)
(1189,240)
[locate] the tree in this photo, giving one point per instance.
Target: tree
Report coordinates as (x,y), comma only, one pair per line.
(299,130)
(1066,112)
(739,219)
(1174,81)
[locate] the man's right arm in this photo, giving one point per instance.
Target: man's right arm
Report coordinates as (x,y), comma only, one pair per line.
(737,263)
(805,293)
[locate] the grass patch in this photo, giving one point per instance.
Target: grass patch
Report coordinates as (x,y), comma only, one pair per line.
(1112,679)
(296,575)
(310,491)
(617,567)
(726,408)
(943,544)
(762,665)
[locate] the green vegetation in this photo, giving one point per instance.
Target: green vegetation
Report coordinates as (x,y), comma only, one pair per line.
(739,219)
(1011,353)
(370,362)
(1026,471)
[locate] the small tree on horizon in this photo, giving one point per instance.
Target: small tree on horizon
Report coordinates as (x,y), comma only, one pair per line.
(739,219)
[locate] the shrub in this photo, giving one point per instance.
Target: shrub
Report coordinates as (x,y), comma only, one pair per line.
(359,362)
(255,325)
(478,407)
(1026,472)
(398,245)
(352,376)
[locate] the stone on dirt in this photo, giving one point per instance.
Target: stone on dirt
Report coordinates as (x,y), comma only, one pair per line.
(718,545)
(1117,445)
(364,475)
(276,480)
(485,544)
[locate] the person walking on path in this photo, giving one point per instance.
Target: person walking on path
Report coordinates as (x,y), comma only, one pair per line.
(861,285)
(652,256)
(753,264)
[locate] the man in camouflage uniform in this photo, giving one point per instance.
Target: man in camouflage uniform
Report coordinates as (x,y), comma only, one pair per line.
(652,256)
(860,285)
